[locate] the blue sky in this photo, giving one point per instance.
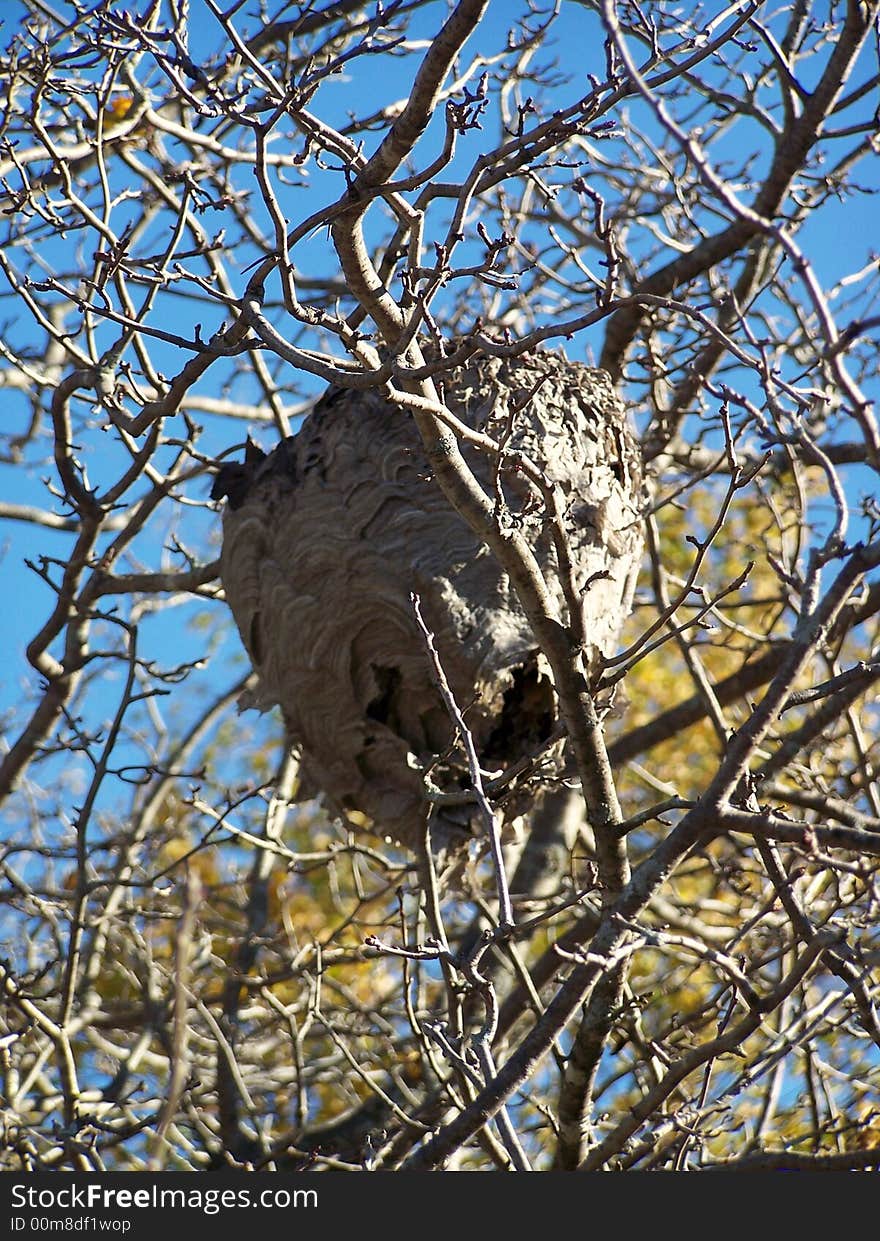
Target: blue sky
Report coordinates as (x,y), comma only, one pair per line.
(840,240)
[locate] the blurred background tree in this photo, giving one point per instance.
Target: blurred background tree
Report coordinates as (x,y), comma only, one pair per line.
(210,212)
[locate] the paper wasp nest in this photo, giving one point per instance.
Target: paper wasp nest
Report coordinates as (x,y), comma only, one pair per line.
(326,537)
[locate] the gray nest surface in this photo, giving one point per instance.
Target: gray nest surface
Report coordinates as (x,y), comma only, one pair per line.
(326,538)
